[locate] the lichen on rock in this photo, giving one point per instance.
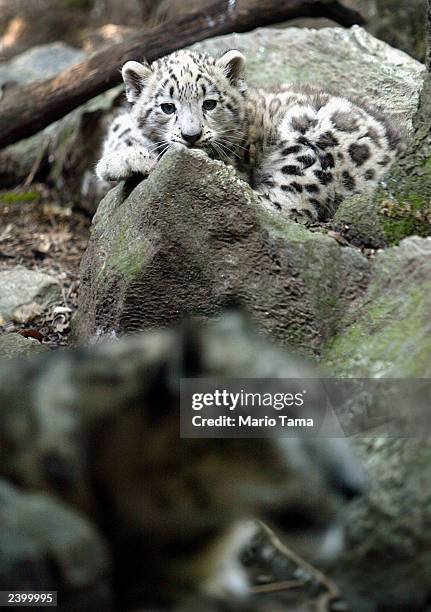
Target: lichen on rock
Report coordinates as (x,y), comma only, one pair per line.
(388,334)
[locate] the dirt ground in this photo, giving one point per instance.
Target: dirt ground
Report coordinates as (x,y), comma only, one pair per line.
(39,234)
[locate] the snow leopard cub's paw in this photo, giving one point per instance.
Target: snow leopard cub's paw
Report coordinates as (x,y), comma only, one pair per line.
(120,165)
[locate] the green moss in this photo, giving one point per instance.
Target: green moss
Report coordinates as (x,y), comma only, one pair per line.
(12,197)
(388,337)
(406,213)
(129,250)
(400,208)
(404,206)
(397,229)
(128,256)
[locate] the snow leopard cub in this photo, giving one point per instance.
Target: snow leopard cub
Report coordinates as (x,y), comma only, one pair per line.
(301,150)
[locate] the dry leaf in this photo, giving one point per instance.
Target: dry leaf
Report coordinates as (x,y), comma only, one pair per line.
(338,237)
(27,312)
(58,211)
(6,233)
(43,246)
(31,333)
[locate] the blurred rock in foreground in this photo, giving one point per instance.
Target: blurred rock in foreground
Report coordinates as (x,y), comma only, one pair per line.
(45,546)
(98,428)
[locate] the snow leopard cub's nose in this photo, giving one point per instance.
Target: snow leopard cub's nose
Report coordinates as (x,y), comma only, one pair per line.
(192,139)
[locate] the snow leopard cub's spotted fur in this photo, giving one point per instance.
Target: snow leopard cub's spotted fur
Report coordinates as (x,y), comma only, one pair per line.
(301,150)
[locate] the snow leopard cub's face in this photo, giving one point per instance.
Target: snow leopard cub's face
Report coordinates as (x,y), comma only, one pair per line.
(189,98)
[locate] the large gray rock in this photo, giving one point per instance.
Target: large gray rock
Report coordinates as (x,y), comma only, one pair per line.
(15,345)
(45,546)
(387,565)
(38,63)
(400,24)
(388,333)
(20,286)
(193,238)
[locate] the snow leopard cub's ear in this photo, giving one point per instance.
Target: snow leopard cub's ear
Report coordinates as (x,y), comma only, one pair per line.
(134,77)
(233,65)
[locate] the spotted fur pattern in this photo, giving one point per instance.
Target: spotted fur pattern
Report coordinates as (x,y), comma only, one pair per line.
(301,150)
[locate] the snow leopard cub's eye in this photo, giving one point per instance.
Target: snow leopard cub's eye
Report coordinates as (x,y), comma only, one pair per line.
(209,105)
(168,108)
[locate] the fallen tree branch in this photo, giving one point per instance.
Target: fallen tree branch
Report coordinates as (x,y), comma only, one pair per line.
(332,592)
(31,108)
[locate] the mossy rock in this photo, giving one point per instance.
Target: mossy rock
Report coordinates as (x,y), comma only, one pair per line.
(400,209)
(389,332)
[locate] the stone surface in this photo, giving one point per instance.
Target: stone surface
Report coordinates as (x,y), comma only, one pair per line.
(15,345)
(387,564)
(20,286)
(46,546)
(388,333)
(191,239)
(400,24)
(357,220)
(41,62)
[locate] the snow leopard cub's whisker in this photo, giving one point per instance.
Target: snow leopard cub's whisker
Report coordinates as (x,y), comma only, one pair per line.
(231,143)
(226,148)
(219,150)
(158,145)
(163,149)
